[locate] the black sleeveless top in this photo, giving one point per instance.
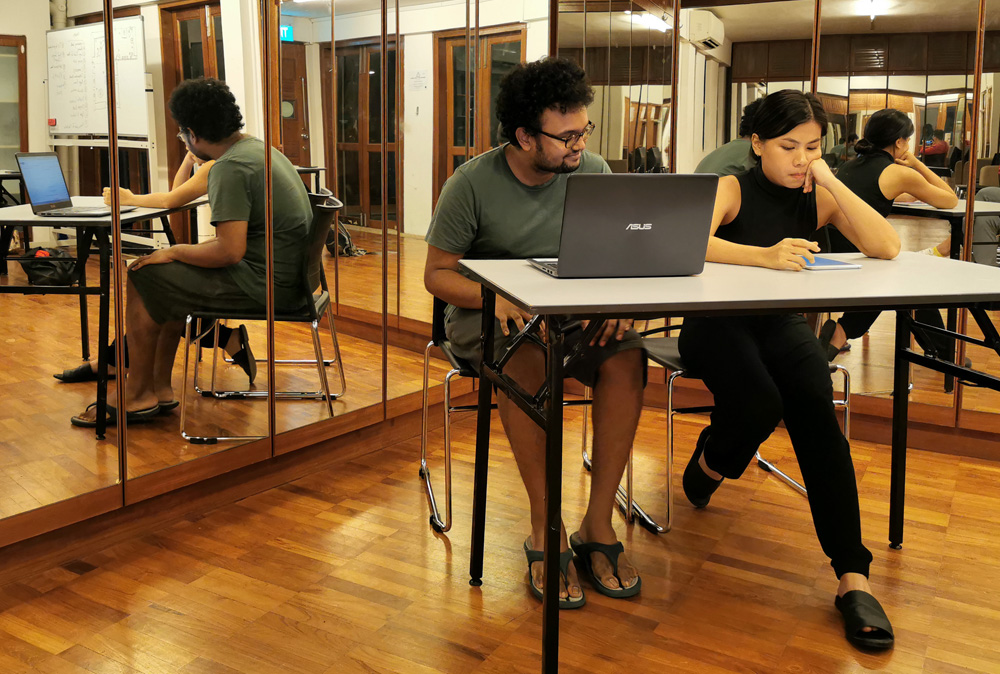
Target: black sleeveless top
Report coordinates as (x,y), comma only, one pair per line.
(769,212)
(861,175)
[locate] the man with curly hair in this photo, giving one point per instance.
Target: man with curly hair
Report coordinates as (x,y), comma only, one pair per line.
(225,273)
(508,203)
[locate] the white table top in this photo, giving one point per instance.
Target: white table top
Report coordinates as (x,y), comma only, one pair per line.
(23,214)
(911,280)
(920,208)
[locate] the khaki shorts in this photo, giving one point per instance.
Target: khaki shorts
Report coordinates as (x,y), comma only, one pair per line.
(464,329)
(173,290)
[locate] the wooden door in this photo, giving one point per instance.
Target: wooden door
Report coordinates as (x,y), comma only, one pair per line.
(294,104)
(192,42)
(465,123)
(359,132)
(14,103)
(500,53)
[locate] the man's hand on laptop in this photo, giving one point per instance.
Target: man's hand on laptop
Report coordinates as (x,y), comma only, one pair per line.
(506,312)
(614,328)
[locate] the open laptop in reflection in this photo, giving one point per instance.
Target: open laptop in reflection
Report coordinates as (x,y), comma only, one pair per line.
(46,188)
(633,225)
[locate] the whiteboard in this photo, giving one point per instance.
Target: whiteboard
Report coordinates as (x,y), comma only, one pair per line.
(77,83)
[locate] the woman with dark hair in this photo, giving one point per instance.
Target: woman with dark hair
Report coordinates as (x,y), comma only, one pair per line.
(765,369)
(885,170)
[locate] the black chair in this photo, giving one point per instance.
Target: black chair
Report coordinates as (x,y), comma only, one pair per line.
(314,306)
(459,368)
(665,352)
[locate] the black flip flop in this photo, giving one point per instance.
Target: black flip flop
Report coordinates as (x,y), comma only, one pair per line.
(564,559)
(612,552)
(861,610)
(169,406)
(79,374)
(135,417)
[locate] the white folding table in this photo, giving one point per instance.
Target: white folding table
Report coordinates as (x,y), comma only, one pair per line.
(909,282)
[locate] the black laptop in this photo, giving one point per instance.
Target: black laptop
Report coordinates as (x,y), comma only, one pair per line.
(633,225)
(47,191)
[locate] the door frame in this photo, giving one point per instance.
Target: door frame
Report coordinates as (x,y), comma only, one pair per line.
(365,45)
(442,79)
(170,48)
(22,83)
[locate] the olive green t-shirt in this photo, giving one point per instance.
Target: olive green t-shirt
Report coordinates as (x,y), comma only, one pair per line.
(236,192)
(728,160)
(485,212)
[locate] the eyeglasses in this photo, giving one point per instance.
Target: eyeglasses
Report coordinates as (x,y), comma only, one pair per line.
(182,136)
(574,138)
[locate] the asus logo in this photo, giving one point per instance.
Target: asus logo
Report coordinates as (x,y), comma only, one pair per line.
(635,226)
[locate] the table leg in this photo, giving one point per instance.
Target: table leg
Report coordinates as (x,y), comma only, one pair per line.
(553,498)
(104,301)
(83,240)
(951,321)
(6,238)
(482,443)
(900,413)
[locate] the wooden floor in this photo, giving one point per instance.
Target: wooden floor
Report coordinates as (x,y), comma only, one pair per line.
(43,459)
(339,573)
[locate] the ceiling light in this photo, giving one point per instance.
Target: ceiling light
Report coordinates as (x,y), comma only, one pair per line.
(651,22)
(872,8)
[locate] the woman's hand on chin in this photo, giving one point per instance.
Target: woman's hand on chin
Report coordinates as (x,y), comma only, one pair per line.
(818,173)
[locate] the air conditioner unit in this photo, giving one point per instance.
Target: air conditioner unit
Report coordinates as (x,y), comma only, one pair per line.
(705,30)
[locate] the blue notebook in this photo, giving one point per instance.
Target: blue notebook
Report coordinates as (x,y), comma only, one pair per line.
(826,264)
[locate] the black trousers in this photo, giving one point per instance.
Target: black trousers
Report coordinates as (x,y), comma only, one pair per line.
(765,369)
(857,323)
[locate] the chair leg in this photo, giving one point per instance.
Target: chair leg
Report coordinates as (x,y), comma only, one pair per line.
(784,477)
(438,523)
(845,404)
(184,382)
(320,368)
(583,438)
(336,350)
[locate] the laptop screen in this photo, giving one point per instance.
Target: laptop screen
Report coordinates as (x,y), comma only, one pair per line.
(43,179)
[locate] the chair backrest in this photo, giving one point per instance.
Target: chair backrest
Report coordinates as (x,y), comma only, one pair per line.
(324,209)
(437,322)
(958,173)
(989,176)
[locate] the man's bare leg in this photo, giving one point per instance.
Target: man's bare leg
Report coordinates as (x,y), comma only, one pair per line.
(617,406)
(527,442)
(143,335)
(163,364)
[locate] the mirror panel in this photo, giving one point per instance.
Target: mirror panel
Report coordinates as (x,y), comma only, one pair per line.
(331,86)
(43,458)
(917,61)
(757,47)
(218,408)
(979,406)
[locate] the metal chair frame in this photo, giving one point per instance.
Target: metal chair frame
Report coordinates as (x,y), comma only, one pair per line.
(324,211)
(625,496)
(460,368)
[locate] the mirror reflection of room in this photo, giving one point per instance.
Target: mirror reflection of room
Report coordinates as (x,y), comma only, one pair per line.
(979,405)
(626,55)
(914,62)
(50,261)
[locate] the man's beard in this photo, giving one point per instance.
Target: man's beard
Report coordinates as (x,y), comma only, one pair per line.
(542,166)
(200,155)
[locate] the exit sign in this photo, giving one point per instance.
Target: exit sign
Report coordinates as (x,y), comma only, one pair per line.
(287,34)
